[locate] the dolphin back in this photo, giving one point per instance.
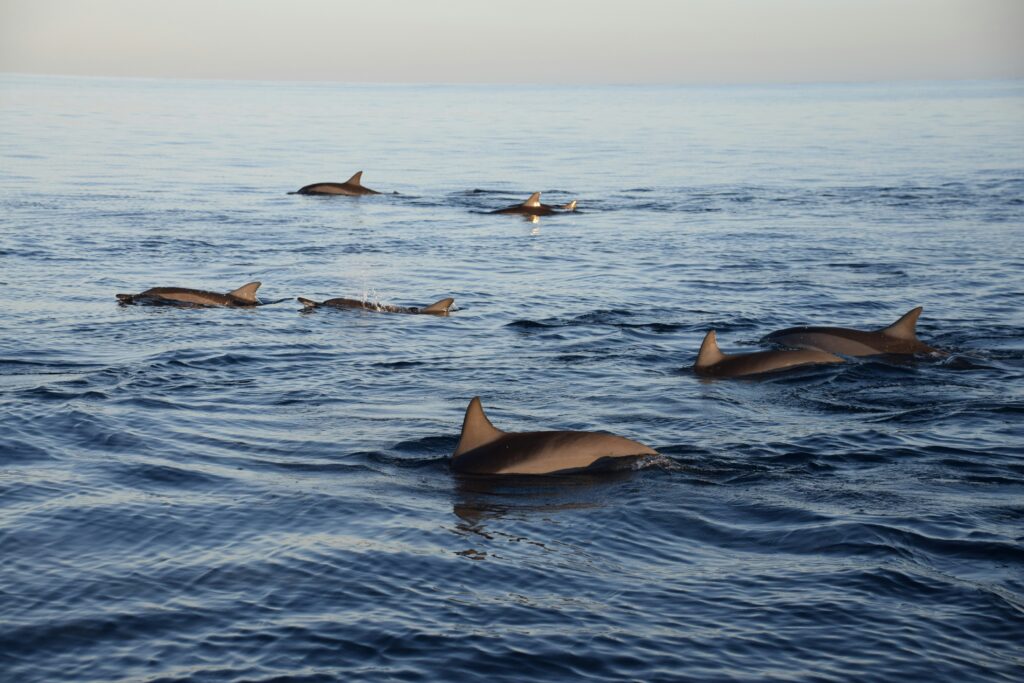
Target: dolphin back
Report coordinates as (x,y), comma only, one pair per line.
(898,338)
(485,449)
(549,453)
(711,362)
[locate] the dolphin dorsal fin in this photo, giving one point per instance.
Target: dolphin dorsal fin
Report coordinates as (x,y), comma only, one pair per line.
(534,200)
(441,306)
(709,353)
(246,293)
(477,430)
(571,206)
(905,327)
(357,179)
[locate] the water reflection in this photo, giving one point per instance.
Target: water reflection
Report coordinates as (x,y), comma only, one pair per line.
(479,500)
(483,503)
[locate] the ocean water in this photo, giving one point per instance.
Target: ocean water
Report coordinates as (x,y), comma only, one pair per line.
(264,494)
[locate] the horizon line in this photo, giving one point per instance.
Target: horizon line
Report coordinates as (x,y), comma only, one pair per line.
(554,84)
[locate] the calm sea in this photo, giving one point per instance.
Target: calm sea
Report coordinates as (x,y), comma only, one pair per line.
(264,495)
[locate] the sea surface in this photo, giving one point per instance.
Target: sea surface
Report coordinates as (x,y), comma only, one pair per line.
(208,494)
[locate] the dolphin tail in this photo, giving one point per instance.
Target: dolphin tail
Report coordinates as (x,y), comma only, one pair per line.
(477,430)
(308,303)
(709,353)
(905,327)
(571,206)
(441,306)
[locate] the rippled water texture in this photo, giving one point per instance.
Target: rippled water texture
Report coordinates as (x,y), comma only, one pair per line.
(263,494)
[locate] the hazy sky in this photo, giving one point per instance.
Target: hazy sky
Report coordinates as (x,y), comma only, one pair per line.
(555,41)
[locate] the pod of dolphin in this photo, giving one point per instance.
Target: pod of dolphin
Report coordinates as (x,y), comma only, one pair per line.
(485,449)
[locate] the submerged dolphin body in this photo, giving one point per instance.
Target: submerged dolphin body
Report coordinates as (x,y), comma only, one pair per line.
(533,207)
(437,308)
(484,449)
(352,187)
(900,337)
(711,362)
(243,296)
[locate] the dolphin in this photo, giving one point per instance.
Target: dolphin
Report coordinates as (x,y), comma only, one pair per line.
(243,296)
(533,207)
(437,308)
(484,449)
(353,187)
(900,337)
(711,362)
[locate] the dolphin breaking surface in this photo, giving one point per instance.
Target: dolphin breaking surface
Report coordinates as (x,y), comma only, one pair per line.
(485,449)
(243,296)
(353,187)
(711,362)
(440,307)
(533,207)
(898,338)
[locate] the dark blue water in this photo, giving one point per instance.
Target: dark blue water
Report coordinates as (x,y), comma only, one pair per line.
(229,495)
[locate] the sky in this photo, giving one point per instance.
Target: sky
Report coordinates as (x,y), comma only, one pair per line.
(529,41)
